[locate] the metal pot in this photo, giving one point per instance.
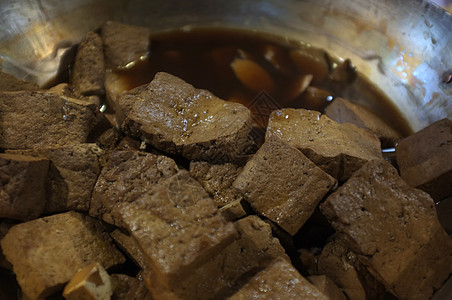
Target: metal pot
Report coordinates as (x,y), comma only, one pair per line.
(402,46)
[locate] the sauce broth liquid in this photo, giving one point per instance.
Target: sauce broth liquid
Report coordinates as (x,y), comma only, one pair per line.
(205,59)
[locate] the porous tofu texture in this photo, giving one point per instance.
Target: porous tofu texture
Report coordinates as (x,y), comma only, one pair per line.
(394,230)
(126,177)
(47,252)
(9,83)
(178,227)
(282,184)
(279,280)
(22,186)
(37,119)
(424,159)
(177,118)
(73,172)
(217,180)
(88,74)
(340,264)
(118,48)
(338,149)
(252,250)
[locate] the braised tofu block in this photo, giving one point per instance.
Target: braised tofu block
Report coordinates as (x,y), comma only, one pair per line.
(217,180)
(37,119)
(128,144)
(338,149)
(280,280)
(343,267)
(22,186)
(127,176)
(344,111)
(174,117)
(424,159)
(90,283)
(73,172)
(88,75)
(9,83)
(109,139)
(124,44)
(129,246)
(178,227)
(282,184)
(252,250)
(47,252)
(394,230)
(327,287)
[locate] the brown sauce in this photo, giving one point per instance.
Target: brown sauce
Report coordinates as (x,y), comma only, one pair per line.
(204,58)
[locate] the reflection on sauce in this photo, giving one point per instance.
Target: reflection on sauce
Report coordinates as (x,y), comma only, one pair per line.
(245,66)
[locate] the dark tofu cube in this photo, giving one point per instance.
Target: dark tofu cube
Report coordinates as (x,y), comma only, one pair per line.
(124,44)
(344,268)
(338,149)
(279,280)
(282,184)
(178,227)
(252,250)
(47,252)
(22,186)
(344,111)
(88,75)
(174,117)
(424,159)
(73,172)
(393,229)
(126,177)
(217,180)
(129,246)
(109,139)
(38,119)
